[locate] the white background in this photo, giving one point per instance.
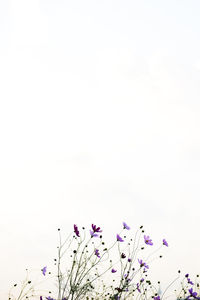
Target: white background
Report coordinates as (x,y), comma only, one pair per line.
(99,123)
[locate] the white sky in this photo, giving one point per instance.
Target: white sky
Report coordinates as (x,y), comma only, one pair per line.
(99,122)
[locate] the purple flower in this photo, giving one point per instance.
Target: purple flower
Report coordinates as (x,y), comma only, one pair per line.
(97,253)
(94,231)
(126,277)
(49,298)
(193,294)
(147,240)
(156,298)
(76,231)
(145,270)
(189,281)
(126,226)
(40,297)
(138,288)
(141,280)
(113,271)
(143,264)
(119,239)
(129,259)
(44,270)
(165,243)
(93,234)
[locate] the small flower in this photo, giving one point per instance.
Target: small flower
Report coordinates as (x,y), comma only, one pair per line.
(141,280)
(76,231)
(144,270)
(165,243)
(113,271)
(94,231)
(93,234)
(119,239)
(126,226)
(97,253)
(189,281)
(123,255)
(186,275)
(44,270)
(193,294)
(156,298)
(40,297)
(143,264)
(126,277)
(138,288)
(147,240)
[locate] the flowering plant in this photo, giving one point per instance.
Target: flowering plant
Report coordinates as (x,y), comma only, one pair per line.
(85,263)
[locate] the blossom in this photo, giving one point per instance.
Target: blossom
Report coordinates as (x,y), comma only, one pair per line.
(143,264)
(142,279)
(40,297)
(97,253)
(156,298)
(193,294)
(76,231)
(49,298)
(189,281)
(93,234)
(119,239)
(145,270)
(138,288)
(147,240)
(126,226)
(94,231)
(113,271)
(126,277)
(44,270)
(165,243)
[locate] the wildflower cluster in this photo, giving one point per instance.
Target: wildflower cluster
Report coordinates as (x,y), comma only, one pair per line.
(189,289)
(85,262)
